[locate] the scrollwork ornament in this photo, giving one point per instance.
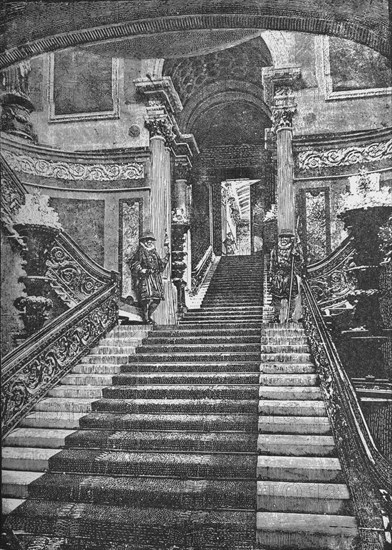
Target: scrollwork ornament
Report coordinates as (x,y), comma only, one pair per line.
(29,380)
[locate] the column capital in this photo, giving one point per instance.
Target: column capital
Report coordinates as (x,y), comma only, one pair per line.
(160,125)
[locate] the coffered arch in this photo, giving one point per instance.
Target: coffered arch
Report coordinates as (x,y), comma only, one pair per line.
(35,27)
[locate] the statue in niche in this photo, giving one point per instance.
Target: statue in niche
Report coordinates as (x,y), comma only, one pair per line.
(285,278)
(147,267)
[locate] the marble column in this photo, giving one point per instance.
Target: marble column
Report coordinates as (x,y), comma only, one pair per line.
(160,209)
(283,112)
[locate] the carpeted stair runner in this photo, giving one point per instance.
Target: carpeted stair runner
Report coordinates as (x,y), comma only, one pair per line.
(167,458)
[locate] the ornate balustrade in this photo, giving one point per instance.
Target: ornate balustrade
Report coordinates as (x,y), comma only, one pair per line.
(73,275)
(32,369)
(89,290)
(330,279)
(368,473)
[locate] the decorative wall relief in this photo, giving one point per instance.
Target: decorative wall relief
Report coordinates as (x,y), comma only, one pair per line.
(313,159)
(317,224)
(82,86)
(74,171)
(131,212)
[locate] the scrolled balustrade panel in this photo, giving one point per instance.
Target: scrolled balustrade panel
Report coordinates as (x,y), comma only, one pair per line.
(34,368)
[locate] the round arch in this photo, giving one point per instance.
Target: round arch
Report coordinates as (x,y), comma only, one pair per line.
(33,28)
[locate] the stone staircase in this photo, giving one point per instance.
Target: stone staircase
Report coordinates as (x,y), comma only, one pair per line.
(40,435)
(302,500)
(194,442)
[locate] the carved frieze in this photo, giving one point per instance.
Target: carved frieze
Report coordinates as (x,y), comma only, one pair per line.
(313,159)
(73,171)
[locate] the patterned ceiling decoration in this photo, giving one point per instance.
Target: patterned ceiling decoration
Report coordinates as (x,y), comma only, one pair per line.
(237,63)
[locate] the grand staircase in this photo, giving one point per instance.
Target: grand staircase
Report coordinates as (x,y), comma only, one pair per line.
(212,436)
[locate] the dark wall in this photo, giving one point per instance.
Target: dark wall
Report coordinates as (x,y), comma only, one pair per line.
(11,325)
(84,220)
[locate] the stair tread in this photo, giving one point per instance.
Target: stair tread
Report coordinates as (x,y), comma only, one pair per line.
(310,463)
(18,477)
(310,523)
(303,490)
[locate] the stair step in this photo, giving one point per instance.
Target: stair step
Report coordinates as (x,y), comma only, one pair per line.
(305,531)
(184,332)
(296,445)
(198,356)
(57,420)
(137,527)
(219,326)
(186,378)
(30,459)
(8,505)
(287,368)
(216,347)
(291,407)
(244,339)
(310,498)
(191,366)
(14,483)
(299,468)
(294,424)
(166,464)
(147,492)
(103,349)
(79,379)
(197,406)
(285,393)
(101,368)
(289,379)
(65,405)
(76,391)
(285,357)
(203,422)
(37,437)
(163,441)
(279,348)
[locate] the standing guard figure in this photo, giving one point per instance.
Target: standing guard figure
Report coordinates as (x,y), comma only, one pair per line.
(146,267)
(285,278)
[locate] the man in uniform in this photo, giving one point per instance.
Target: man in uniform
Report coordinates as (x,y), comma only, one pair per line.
(147,267)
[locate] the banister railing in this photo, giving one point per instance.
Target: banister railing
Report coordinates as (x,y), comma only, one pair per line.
(91,292)
(200,270)
(368,473)
(73,275)
(330,279)
(32,369)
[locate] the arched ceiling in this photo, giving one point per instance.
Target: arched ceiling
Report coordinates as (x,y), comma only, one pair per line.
(32,28)
(230,124)
(241,63)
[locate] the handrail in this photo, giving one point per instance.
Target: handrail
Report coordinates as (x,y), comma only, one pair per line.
(200,270)
(368,473)
(328,264)
(32,369)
